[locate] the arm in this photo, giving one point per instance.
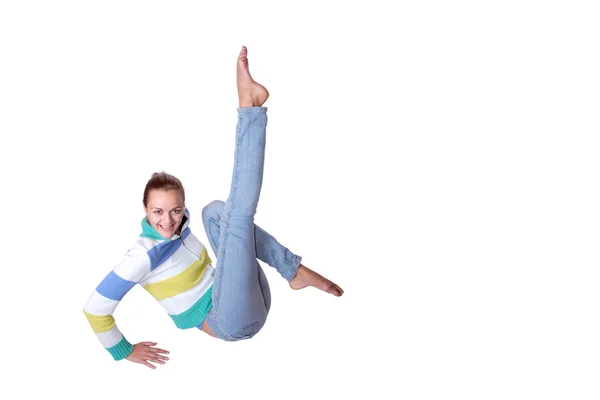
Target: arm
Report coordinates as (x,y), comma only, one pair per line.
(107,295)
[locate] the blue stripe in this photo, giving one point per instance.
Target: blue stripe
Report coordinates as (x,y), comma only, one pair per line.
(114,287)
(161,252)
(185,233)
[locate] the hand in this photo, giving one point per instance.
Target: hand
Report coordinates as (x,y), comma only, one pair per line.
(143,352)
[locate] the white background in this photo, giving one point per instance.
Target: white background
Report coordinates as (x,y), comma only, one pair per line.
(438,160)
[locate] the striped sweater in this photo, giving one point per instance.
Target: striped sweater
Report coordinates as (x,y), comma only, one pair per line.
(177,272)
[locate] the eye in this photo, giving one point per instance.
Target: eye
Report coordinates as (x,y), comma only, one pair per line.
(177,211)
(157,212)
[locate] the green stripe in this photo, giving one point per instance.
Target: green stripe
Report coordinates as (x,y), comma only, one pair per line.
(120,350)
(194,315)
(149,232)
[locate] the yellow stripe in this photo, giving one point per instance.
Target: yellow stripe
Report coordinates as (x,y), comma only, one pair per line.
(185,280)
(100,323)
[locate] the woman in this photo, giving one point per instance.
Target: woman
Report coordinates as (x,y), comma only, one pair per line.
(229,301)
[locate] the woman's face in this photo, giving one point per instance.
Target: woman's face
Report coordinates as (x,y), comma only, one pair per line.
(164,211)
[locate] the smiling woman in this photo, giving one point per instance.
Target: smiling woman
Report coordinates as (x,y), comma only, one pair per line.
(164,199)
(229,301)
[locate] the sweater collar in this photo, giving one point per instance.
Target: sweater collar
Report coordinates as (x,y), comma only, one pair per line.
(149,232)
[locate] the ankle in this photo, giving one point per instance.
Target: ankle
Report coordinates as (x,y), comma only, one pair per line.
(246,100)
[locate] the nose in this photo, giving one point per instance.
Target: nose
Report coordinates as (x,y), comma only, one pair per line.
(167,219)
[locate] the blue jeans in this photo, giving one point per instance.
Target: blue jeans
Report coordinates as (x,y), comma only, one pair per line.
(241,296)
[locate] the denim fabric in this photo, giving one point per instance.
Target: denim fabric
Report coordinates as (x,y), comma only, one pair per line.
(241,297)
(268,249)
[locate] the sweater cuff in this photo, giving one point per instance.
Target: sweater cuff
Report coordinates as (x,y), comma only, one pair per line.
(120,350)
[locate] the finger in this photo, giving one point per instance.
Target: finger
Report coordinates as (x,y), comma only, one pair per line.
(149,343)
(157,350)
(146,363)
(153,356)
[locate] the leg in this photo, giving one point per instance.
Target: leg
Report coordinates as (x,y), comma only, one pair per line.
(267,248)
(239,310)
(252,94)
(270,251)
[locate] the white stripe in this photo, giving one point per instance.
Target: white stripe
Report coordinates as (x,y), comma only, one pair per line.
(100,305)
(194,245)
(147,243)
(181,302)
(135,264)
(111,337)
(176,264)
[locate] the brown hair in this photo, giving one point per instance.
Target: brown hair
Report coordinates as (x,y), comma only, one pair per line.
(162,181)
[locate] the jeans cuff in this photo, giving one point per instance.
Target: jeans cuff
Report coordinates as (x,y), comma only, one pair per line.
(293,269)
(252,109)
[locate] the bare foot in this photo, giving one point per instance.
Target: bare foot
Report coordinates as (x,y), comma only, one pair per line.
(250,93)
(307,277)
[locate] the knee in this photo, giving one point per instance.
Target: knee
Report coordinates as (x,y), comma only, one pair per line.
(214,209)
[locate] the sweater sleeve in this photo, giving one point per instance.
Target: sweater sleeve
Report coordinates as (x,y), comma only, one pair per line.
(104,299)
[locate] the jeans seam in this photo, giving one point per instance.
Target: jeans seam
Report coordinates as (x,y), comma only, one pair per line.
(221,260)
(246,118)
(216,223)
(272,251)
